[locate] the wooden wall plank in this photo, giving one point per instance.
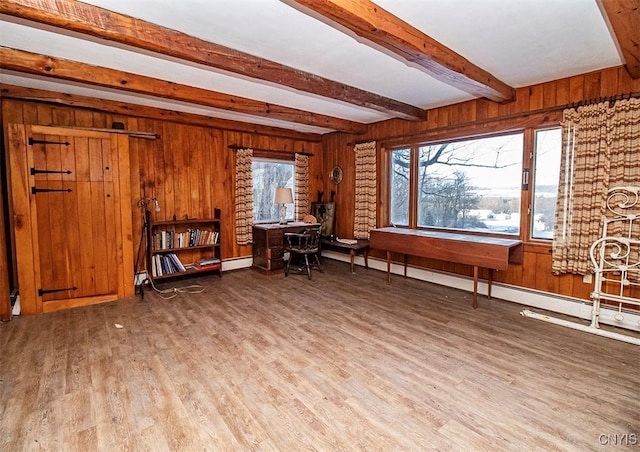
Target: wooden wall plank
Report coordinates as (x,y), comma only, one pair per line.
(178,174)
(5,289)
(169,173)
(87,257)
(576,88)
(536,99)
(72,215)
(100,207)
(20,189)
(563,91)
(5,249)
(122,214)
(608,82)
(592,82)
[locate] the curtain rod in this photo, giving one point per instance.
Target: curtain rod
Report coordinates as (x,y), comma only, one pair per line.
(131,133)
(235,147)
(597,100)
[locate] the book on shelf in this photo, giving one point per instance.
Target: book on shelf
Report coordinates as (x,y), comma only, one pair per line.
(157,268)
(169,239)
(208,264)
(202,268)
(167,264)
(175,262)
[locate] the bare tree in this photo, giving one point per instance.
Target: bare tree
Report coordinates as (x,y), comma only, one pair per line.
(270,176)
(445,197)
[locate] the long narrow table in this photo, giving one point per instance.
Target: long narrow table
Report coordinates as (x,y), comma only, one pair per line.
(478,251)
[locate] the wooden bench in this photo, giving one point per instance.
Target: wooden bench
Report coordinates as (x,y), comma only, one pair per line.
(361,246)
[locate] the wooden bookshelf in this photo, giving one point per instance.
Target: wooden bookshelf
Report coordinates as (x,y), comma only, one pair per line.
(178,248)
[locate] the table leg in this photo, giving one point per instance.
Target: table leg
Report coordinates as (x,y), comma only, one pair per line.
(406,259)
(366,259)
(489,284)
(388,267)
(475,287)
(352,254)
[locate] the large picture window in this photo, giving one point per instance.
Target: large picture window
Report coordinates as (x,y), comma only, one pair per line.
(471,185)
(268,174)
(477,185)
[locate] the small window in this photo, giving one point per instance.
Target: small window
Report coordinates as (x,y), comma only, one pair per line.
(400,178)
(472,185)
(267,176)
(548,147)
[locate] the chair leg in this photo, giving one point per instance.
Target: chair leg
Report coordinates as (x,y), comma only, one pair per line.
(315,256)
(286,267)
(307,266)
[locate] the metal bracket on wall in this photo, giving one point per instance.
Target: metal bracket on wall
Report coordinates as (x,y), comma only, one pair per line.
(33,141)
(35,190)
(42,292)
(34,171)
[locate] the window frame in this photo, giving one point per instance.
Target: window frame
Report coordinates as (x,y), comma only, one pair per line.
(532,179)
(268,157)
(526,196)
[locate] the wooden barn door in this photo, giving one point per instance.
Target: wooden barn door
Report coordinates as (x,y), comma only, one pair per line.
(72,216)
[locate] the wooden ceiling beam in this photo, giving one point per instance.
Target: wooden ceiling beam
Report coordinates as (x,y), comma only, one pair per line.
(31,63)
(101,23)
(370,21)
(623,19)
(142,111)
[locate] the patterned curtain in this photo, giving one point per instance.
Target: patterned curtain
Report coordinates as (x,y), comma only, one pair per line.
(366,190)
(302,186)
(600,151)
(244,197)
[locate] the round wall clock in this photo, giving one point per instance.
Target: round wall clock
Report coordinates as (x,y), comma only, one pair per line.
(336,175)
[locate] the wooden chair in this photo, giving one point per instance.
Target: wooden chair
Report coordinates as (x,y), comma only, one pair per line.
(300,247)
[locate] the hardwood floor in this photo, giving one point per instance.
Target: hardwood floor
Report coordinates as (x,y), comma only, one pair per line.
(341,362)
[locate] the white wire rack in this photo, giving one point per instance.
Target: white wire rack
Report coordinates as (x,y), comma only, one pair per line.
(616,265)
(616,255)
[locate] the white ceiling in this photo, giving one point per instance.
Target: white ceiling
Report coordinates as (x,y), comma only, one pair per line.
(521,42)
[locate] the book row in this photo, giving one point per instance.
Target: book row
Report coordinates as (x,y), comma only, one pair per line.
(170,239)
(168,264)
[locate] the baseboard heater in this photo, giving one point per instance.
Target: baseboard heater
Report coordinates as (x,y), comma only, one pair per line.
(581,327)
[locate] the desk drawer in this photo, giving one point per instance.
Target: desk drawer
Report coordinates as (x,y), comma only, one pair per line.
(275,264)
(274,240)
(275,253)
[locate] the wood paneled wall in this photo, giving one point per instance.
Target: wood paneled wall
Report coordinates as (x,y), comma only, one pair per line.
(189,169)
(473,117)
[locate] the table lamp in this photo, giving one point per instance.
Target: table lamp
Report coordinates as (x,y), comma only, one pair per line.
(283,196)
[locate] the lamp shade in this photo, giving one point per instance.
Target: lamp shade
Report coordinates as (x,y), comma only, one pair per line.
(283,196)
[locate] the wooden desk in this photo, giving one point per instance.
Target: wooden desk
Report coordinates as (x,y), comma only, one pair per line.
(362,246)
(478,251)
(268,244)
